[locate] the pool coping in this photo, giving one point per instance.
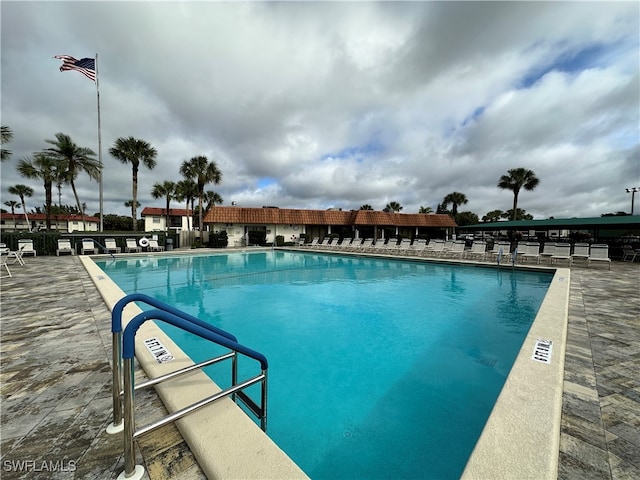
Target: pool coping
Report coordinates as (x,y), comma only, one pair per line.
(519,440)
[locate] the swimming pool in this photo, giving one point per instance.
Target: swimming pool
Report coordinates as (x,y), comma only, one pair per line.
(379,368)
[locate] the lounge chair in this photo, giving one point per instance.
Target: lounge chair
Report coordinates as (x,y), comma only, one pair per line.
(580,251)
(629,254)
(417,247)
(434,248)
(563,252)
(501,250)
(154,247)
(3,263)
(455,251)
(88,245)
(28,247)
(478,250)
(532,252)
(111,246)
(404,246)
(599,253)
(548,251)
(132,246)
(16,255)
(312,243)
(64,246)
(366,244)
(324,243)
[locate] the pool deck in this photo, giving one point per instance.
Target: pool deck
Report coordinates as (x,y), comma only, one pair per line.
(55,380)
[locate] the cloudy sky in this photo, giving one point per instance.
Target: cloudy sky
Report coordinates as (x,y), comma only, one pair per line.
(333,104)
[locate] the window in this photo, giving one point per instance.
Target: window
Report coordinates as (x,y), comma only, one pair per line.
(156,219)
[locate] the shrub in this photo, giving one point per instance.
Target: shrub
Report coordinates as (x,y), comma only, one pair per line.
(218,240)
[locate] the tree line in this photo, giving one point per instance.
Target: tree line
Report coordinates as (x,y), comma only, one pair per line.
(64,161)
(61,164)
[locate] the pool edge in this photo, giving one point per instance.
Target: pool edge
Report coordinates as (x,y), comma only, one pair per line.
(521,438)
(240,449)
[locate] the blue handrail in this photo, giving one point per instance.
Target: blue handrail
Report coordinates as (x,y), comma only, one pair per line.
(116,314)
(128,342)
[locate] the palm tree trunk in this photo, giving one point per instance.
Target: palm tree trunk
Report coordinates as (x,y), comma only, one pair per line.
(75,194)
(134,195)
(48,199)
(515,205)
(24,209)
(200,214)
(188,219)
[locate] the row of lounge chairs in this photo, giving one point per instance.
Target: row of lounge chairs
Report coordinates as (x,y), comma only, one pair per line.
(89,246)
(524,252)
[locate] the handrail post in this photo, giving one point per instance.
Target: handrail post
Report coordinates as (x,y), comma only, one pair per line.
(131,470)
(234,373)
(263,420)
(116,369)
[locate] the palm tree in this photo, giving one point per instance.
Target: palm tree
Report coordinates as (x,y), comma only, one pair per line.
(493,216)
(366,206)
(212,198)
(5,137)
(22,191)
(203,172)
(187,191)
(455,199)
(73,160)
(516,179)
(12,204)
(44,167)
(425,209)
(129,203)
(132,150)
(165,189)
(393,207)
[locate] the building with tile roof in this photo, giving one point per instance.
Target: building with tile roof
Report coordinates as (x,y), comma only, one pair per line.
(38,221)
(291,223)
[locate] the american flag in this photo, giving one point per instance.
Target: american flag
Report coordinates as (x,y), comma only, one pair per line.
(86,66)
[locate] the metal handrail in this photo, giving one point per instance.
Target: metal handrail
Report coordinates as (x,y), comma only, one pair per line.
(128,354)
(116,346)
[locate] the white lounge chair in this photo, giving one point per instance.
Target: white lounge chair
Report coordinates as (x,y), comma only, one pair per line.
(3,263)
(532,252)
(501,251)
(580,251)
(88,245)
(478,250)
(312,243)
(132,246)
(366,244)
(548,251)
(64,246)
(28,247)
(111,246)
(417,247)
(599,253)
(456,250)
(16,255)
(629,254)
(154,247)
(563,252)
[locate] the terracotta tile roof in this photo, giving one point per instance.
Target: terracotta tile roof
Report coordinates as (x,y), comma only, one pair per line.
(324,217)
(173,212)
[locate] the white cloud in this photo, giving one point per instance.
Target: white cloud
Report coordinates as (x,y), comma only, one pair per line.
(339,104)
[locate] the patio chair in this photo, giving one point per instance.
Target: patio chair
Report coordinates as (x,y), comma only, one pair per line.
(629,254)
(532,252)
(563,252)
(88,245)
(434,248)
(417,247)
(580,251)
(365,245)
(599,253)
(132,246)
(478,250)
(548,251)
(28,247)
(154,247)
(16,255)
(455,251)
(3,263)
(501,250)
(64,246)
(111,246)
(312,243)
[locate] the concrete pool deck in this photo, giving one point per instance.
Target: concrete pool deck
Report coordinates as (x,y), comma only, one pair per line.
(55,379)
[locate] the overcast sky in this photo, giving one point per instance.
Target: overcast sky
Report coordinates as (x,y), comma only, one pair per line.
(330,104)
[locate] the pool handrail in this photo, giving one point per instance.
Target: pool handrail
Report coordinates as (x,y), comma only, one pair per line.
(128,340)
(116,345)
(236,389)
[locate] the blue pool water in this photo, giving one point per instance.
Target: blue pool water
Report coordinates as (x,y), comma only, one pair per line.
(377,368)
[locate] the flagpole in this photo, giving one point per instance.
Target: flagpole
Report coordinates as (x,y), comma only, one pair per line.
(99,147)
